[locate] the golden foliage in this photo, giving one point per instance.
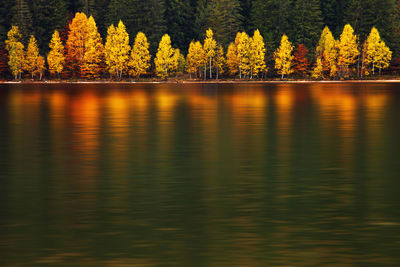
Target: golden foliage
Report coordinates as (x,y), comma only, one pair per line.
(140,56)
(56,58)
(283,57)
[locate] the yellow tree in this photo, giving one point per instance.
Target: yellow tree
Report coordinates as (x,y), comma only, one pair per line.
(209,49)
(56,58)
(31,56)
(177,64)
(317,72)
(117,49)
(219,62)
(327,51)
(243,54)
(15,52)
(232,60)
(348,50)
(94,52)
(257,54)
(283,57)
(40,67)
(78,36)
(376,51)
(164,57)
(195,58)
(140,56)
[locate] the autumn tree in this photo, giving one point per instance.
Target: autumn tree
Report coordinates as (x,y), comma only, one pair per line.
(195,58)
(209,49)
(40,67)
(243,54)
(300,61)
(377,53)
(283,57)
(76,43)
(15,52)
(31,56)
(257,54)
(3,60)
(219,61)
(164,60)
(117,49)
(327,51)
(348,49)
(94,52)
(317,72)
(177,63)
(232,60)
(56,58)
(140,56)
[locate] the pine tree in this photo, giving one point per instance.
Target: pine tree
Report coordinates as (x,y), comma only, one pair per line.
(49,15)
(180,22)
(94,55)
(164,58)
(56,58)
(31,57)
(283,57)
(224,18)
(332,13)
(348,49)
(272,18)
(117,50)
(5,18)
(195,58)
(257,54)
(307,22)
(300,63)
(76,44)
(140,56)
(16,53)
(209,49)
(23,18)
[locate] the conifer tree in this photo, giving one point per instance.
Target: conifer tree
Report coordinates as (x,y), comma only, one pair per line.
(117,50)
(307,22)
(195,58)
(22,18)
(76,43)
(257,54)
(31,57)
(56,58)
(140,56)
(5,18)
(48,16)
(348,49)
(165,57)
(94,54)
(209,49)
(15,52)
(283,57)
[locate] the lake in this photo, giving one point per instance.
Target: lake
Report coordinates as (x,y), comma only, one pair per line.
(200,174)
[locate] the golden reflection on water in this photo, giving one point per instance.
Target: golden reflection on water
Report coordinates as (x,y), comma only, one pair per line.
(238,175)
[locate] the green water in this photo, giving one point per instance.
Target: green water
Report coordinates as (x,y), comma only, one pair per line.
(200,175)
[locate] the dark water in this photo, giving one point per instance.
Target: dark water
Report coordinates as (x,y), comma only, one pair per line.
(200,175)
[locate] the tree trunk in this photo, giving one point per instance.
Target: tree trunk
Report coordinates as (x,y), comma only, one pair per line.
(282,76)
(210,69)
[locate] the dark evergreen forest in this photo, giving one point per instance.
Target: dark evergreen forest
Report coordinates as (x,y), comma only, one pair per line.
(185,20)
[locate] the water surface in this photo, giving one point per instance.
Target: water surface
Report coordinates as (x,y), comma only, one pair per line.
(200,175)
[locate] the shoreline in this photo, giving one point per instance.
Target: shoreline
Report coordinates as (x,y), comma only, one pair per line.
(205,82)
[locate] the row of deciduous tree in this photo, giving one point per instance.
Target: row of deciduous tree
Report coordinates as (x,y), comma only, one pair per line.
(84,55)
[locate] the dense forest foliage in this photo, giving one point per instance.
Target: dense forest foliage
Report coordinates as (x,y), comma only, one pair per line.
(302,21)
